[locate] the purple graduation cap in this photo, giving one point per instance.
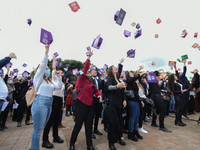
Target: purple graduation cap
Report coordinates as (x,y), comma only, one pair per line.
(105,67)
(151,78)
(137,26)
(88,48)
(87,53)
(131,53)
(56,62)
(101,71)
(60,64)
(123,73)
(116,15)
(127,33)
(67,66)
(11,73)
(67,79)
(15,70)
(46,37)
(120,17)
(8,65)
(1,71)
(97,42)
(55,54)
(94,67)
(138,33)
(30,82)
(25,73)
(75,71)
(24,65)
(29,21)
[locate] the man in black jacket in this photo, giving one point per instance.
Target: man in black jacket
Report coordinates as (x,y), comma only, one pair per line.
(22,103)
(159,104)
(97,106)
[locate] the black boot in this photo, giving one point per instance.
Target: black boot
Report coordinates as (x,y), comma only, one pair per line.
(183,123)
(19,124)
(138,135)
(112,146)
(179,123)
(71,147)
(121,142)
(131,135)
(90,148)
(27,122)
(47,144)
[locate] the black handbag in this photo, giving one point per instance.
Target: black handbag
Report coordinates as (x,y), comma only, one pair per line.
(129,94)
(75,93)
(148,101)
(166,97)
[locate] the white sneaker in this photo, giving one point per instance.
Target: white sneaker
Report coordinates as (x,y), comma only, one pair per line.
(142,130)
(147,118)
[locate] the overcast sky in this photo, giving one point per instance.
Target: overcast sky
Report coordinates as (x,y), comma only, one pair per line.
(74,31)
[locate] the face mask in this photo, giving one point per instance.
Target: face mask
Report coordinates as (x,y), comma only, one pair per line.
(47,73)
(9,82)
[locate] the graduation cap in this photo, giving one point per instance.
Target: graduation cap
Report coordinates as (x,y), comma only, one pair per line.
(151,78)
(138,33)
(30,82)
(101,71)
(87,53)
(138,26)
(66,66)
(195,45)
(60,64)
(195,35)
(75,71)
(196,70)
(46,37)
(131,53)
(24,65)
(105,67)
(158,21)
(97,42)
(184,57)
(25,73)
(153,63)
(172,63)
(74,6)
(1,71)
(127,33)
(15,70)
(56,54)
(133,24)
(67,79)
(116,15)
(156,35)
(123,73)
(88,48)
(189,62)
(184,33)
(94,67)
(8,65)
(29,21)
(178,60)
(56,62)
(120,16)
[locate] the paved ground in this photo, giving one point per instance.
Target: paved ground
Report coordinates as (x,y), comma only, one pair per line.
(183,138)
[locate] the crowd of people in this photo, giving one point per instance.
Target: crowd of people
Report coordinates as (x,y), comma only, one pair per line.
(124,102)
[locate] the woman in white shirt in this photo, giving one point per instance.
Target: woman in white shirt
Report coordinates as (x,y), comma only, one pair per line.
(41,108)
(175,85)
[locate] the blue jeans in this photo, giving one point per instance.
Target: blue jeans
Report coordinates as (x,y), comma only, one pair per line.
(134,108)
(172,103)
(1,104)
(41,111)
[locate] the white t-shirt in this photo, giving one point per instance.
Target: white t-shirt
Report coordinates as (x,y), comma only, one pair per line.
(3,89)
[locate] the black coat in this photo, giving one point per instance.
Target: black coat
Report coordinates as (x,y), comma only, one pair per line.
(176,89)
(116,97)
(196,75)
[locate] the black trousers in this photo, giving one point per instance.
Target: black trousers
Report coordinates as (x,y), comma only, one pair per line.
(191,104)
(111,138)
(54,118)
(186,101)
(83,113)
(160,109)
(3,117)
(179,107)
(142,115)
(22,106)
(97,107)
(167,104)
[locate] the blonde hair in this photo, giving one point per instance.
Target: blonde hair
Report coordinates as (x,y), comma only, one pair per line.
(47,79)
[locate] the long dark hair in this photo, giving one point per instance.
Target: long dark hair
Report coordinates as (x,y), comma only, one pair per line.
(170,81)
(110,72)
(192,85)
(128,77)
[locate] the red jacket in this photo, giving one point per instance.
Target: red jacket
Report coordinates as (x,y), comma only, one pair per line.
(88,89)
(69,100)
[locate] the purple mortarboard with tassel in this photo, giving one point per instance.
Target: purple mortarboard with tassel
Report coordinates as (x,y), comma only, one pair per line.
(15,70)
(29,21)
(24,65)
(131,53)
(55,54)
(137,26)
(101,71)
(127,33)
(11,73)
(151,78)
(138,33)
(46,37)
(97,42)
(105,67)
(8,65)
(1,71)
(60,64)
(75,71)
(25,73)
(119,16)
(88,48)
(94,67)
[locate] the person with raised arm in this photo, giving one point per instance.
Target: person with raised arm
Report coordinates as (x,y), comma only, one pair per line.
(41,107)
